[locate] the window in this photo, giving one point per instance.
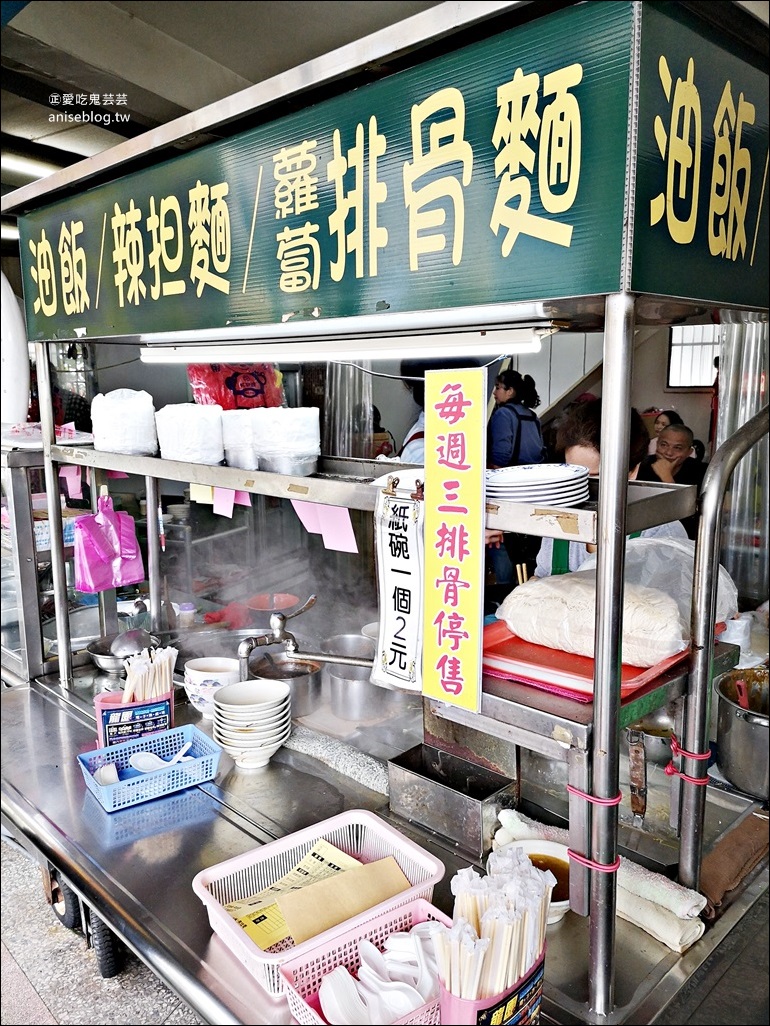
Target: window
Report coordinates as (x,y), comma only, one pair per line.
(691,352)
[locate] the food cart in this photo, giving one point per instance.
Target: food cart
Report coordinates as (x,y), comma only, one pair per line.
(520,171)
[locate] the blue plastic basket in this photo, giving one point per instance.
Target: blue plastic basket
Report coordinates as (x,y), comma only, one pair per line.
(142,787)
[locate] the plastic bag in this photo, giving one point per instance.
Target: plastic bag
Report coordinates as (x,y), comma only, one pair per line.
(667,564)
(191,433)
(236,386)
(124,421)
(559,612)
(107,554)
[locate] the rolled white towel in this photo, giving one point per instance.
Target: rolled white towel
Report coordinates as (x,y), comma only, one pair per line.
(677,934)
(683,902)
(521,828)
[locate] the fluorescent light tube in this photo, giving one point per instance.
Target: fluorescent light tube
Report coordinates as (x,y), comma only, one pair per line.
(502,342)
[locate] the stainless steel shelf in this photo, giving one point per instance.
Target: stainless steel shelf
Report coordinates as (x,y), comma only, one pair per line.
(347,482)
(551,725)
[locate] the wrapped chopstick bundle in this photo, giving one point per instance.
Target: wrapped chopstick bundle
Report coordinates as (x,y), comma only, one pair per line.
(498,930)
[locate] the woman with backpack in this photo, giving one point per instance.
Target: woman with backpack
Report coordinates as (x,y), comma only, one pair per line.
(514,438)
(515,435)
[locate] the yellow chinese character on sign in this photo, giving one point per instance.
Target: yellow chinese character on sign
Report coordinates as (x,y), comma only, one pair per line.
(350,202)
(680,148)
(438,131)
(128,254)
(559,139)
(209,224)
(165,230)
(300,257)
(72,259)
(730,177)
(44,275)
(297,188)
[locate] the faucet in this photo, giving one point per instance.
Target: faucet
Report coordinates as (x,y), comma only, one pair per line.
(275,636)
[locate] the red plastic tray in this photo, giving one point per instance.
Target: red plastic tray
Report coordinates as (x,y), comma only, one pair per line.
(563,673)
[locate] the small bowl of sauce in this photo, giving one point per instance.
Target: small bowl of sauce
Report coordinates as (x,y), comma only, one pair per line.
(552,856)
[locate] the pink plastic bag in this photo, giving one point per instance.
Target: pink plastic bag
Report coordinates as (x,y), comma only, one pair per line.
(107,554)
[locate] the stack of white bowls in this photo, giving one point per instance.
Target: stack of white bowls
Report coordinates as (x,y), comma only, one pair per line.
(252,719)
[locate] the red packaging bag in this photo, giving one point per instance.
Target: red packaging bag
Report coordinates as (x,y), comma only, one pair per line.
(236,386)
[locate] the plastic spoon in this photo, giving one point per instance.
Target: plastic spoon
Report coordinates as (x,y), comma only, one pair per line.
(341,1002)
(372,957)
(392,1000)
(147,762)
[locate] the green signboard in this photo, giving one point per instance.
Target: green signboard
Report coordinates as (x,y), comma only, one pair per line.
(701,220)
(492,175)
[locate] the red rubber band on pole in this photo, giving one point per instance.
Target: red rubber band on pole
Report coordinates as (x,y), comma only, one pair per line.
(676,750)
(593,799)
(594,865)
(672,771)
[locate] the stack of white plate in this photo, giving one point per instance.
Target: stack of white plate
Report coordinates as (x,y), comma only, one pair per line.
(252,719)
(556,484)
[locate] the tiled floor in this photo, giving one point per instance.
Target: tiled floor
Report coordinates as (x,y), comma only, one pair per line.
(49,976)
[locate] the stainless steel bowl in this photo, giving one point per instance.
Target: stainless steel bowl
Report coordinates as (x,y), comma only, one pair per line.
(294,466)
(102,656)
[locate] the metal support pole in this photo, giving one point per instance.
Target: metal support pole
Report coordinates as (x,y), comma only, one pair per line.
(613,490)
(153,551)
(51,473)
(704,599)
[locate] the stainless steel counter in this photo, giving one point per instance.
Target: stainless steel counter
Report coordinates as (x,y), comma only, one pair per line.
(135,867)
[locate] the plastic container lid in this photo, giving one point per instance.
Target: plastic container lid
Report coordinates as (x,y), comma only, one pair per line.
(186,607)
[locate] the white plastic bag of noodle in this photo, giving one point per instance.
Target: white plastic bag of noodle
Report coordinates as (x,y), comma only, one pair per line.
(667,564)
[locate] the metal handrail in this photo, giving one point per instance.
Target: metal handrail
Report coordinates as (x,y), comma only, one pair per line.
(704,597)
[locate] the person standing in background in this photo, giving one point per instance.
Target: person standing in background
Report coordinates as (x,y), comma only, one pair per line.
(514,438)
(413,374)
(664,419)
(712,439)
(579,441)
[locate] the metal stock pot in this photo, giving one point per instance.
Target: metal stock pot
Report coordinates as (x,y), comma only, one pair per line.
(742,733)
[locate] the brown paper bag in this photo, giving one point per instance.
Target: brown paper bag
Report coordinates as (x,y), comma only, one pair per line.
(326,903)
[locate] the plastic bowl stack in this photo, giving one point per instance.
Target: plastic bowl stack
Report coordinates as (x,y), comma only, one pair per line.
(252,719)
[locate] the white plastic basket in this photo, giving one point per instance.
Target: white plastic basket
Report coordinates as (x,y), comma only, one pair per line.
(302,974)
(358,833)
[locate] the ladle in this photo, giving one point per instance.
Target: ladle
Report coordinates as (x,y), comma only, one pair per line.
(743,695)
(131,642)
(147,762)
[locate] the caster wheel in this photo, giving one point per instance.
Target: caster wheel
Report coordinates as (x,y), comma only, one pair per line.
(110,954)
(66,905)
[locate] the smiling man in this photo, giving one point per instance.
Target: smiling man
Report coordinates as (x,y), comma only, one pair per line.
(673,464)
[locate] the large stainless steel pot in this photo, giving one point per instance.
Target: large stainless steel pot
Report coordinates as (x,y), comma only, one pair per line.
(304,677)
(742,733)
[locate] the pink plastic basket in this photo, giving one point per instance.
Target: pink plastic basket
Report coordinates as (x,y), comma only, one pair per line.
(358,833)
(302,975)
